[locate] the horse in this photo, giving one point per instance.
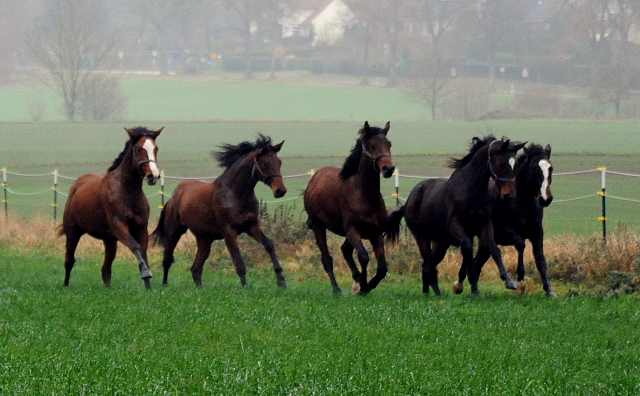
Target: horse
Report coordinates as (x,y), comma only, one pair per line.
(445,212)
(113,207)
(348,203)
(520,219)
(223,209)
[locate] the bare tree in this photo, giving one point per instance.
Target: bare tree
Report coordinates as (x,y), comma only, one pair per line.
(368,16)
(430,87)
(248,10)
(69,43)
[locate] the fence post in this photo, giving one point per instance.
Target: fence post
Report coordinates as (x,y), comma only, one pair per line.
(4,187)
(603,194)
(397,193)
(55,196)
(161,190)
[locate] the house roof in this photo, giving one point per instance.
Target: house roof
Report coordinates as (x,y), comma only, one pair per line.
(321,5)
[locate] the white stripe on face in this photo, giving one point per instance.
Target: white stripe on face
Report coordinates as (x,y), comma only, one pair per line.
(512,162)
(544,165)
(150,147)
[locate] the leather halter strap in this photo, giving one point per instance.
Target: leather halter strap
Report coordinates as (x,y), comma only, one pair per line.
(265,176)
(374,158)
(494,175)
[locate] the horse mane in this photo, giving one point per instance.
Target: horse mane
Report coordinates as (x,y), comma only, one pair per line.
(140,132)
(532,151)
(351,164)
(229,154)
(475,145)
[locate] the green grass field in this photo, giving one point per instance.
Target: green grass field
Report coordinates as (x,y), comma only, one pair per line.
(222,339)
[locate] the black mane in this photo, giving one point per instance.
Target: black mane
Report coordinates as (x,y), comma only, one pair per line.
(351,164)
(474,147)
(229,154)
(140,132)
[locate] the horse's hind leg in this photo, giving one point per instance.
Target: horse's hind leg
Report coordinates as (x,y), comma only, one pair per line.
(171,240)
(325,256)
(347,253)
(73,237)
(110,249)
(256,233)
(204,248)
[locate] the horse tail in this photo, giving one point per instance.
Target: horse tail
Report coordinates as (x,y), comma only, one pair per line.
(392,226)
(158,236)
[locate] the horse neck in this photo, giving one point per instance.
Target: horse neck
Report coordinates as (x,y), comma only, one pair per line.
(478,170)
(367,177)
(128,173)
(526,194)
(239,177)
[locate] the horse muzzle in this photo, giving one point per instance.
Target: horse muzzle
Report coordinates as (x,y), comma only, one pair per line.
(507,190)
(151,179)
(277,187)
(545,202)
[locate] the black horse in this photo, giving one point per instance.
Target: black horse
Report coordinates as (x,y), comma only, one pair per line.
(520,219)
(445,212)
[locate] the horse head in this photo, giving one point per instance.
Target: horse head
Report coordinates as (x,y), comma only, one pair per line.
(376,146)
(540,172)
(145,153)
(502,161)
(266,165)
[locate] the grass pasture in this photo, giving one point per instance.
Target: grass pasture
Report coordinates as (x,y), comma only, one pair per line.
(222,339)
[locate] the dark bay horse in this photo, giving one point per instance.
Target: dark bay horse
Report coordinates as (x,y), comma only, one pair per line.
(520,219)
(223,209)
(445,212)
(113,207)
(348,202)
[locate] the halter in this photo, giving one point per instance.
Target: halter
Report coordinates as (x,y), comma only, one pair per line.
(494,176)
(374,158)
(139,164)
(265,177)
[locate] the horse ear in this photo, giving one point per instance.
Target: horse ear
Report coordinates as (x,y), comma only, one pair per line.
(505,145)
(131,132)
(547,150)
(278,146)
(155,134)
(386,128)
(364,132)
(518,146)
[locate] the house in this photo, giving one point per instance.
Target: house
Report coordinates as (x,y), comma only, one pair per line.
(322,21)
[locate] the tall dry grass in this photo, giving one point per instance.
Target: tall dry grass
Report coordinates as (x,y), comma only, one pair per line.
(581,261)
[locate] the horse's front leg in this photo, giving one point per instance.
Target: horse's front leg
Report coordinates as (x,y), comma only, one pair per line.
(320,233)
(541,263)
(110,249)
(139,249)
(347,253)
(381,262)
(487,239)
(354,238)
(231,240)
(256,233)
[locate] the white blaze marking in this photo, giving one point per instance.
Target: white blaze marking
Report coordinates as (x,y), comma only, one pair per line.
(544,165)
(512,162)
(150,147)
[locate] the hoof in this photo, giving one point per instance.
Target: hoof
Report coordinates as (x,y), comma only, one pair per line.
(355,289)
(521,287)
(282,284)
(147,283)
(146,274)
(509,284)
(457,287)
(551,294)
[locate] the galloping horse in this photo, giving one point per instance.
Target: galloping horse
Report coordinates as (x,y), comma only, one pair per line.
(223,209)
(445,212)
(521,219)
(113,207)
(347,202)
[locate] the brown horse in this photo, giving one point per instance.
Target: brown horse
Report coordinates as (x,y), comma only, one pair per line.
(223,209)
(347,202)
(113,207)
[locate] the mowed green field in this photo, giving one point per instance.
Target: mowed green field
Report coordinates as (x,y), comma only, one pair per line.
(419,149)
(223,339)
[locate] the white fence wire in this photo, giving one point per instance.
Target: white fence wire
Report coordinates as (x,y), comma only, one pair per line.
(10,191)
